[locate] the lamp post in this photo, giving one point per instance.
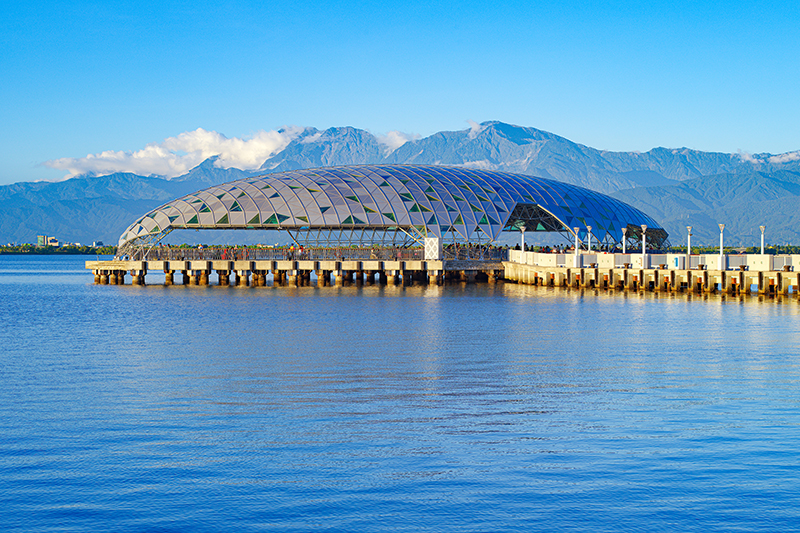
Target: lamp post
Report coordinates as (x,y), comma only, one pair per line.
(762,228)
(624,239)
(721,256)
(644,245)
(689,247)
(575,262)
(589,236)
(522,230)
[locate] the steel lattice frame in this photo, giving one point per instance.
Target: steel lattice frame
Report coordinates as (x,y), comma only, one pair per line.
(397,205)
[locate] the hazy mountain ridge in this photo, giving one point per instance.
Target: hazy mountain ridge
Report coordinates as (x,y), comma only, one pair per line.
(672,185)
(742,202)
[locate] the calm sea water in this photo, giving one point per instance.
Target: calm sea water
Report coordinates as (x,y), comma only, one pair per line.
(457,408)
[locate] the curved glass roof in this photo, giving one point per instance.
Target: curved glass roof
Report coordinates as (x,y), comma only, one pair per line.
(434,201)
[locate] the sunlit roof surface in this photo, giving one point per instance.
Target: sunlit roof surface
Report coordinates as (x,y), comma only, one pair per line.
(434,201)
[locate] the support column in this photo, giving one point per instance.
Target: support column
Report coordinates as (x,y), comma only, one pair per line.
(169,277)
(185,276)
(382,277)
(203,277)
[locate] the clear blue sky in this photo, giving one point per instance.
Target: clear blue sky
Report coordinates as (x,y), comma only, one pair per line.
(79,77)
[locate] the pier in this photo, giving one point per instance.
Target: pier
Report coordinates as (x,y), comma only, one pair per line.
(259,273)
(731,274)
(764,274)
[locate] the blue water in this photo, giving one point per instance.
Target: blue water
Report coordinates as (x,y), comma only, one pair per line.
(457,408)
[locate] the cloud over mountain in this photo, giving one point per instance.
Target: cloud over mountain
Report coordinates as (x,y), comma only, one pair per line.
(175,156)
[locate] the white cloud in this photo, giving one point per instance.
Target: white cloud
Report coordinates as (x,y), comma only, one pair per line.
(744,156)
(177,155)
(474,129)
(395,139)
(785,158)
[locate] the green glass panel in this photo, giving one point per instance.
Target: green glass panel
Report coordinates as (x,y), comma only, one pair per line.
(254,220)
(205,209)
(432,220)
(273,219)
(390,216)
(155,230)
(323,209)
(459,221)
(354,198)
(476,209)
(483,220)
(304,219)
(236,207)
(431,198)
(406,197)
(368,210)
(243,194)
(539,227)
(276,195)
(193,220)
(223,220)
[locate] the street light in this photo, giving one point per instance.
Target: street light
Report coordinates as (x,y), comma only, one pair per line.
(589,235)
(644,245)
(522,230)
(624,239)
(762,238)
(575,261)
(721,257)
(688,247)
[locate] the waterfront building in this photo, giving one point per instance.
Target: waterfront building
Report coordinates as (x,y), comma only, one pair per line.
(397,205)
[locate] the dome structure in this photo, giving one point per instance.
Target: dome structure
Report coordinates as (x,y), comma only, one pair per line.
(396,203)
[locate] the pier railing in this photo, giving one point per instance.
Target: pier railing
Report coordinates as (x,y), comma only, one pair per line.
(332,253)
(755,262)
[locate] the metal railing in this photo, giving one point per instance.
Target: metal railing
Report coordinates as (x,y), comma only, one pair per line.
(239,253)
(331,253)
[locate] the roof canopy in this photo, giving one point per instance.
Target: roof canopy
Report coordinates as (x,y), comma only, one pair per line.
(452,203)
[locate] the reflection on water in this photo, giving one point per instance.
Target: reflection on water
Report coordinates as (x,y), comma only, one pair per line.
(469,407)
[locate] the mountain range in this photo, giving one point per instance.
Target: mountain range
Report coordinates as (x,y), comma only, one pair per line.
(678,187)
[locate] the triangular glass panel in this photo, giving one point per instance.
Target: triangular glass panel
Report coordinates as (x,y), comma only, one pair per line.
(254,220)
(193,220)
(390,216)
(236,207)
(223,220)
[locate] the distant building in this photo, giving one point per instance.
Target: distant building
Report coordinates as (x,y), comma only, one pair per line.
(44,240)
(97,244)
